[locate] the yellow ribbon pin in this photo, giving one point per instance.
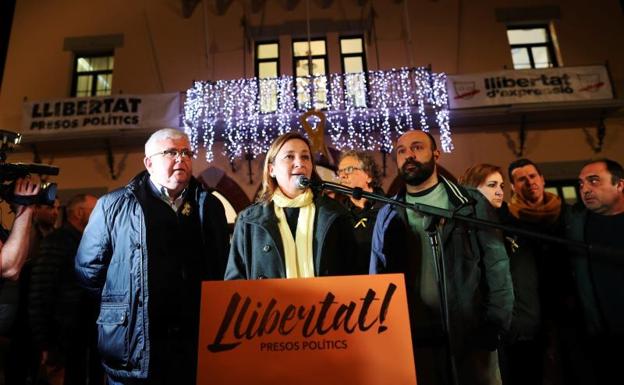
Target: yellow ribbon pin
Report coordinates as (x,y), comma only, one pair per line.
(186,209)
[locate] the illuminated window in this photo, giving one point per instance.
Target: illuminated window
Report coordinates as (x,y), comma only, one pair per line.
(567,190)
(310,59)
(531,47)
(354,63)
(93,75)
(352,54)
(267,70)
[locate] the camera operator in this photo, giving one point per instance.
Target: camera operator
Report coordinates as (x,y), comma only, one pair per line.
(14,247)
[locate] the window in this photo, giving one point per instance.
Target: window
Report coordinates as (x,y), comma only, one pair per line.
(567,190)
(267,69)
(310,69)
(352,54)
(354,68)
(93,75)
(531,47)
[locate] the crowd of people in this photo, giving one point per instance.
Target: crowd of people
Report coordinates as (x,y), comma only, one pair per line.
(114,292)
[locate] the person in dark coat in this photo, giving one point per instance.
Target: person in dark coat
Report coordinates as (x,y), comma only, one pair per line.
(290,232)
(478,286)
(599,282)
(145,252)
(357,169)
(522,351)
(62,315)
(545,315)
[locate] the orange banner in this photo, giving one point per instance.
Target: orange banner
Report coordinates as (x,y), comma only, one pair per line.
(333,330)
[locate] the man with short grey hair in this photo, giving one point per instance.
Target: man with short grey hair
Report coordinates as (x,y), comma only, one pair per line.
(145,251)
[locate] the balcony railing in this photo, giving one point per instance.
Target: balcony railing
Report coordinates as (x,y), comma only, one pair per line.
(365,111)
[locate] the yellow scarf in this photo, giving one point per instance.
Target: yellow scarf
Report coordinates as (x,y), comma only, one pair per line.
(298,251)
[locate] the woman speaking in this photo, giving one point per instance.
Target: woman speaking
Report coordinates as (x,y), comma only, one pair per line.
(290,232)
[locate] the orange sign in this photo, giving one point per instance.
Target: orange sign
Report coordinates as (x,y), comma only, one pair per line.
(332,330)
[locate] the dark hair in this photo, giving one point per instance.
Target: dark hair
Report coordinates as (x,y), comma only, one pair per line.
(368,165)
(434,145)
(476,175)
(269,184)
(613,167)
(521,163)
(75,201)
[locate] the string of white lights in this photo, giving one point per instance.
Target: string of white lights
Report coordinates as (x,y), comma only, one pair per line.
(364,111)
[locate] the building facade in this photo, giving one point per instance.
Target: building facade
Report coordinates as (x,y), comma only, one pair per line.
(65,49)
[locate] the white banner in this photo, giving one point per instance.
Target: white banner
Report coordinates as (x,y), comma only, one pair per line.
(529,86)
(101,113)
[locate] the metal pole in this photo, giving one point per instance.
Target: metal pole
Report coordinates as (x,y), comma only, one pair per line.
(408,34)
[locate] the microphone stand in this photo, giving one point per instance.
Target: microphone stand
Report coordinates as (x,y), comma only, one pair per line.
(434,231)
(608,254)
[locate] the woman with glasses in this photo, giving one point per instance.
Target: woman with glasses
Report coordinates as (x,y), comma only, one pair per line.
(358,169)
(290,232)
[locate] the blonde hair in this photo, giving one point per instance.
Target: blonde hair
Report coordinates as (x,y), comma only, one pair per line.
(269,183)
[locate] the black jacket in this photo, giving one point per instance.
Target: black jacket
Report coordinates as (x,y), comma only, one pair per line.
(58,305)
(257,251)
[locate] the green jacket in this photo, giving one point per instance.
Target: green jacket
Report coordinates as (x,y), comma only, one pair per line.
(480,292)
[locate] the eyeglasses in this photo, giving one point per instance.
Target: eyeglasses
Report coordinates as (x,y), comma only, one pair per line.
(173,153)
(347,170)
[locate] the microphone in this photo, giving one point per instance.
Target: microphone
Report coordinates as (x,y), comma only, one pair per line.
(303,182)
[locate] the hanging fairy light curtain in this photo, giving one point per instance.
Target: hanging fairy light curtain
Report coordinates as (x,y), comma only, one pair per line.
(365,111)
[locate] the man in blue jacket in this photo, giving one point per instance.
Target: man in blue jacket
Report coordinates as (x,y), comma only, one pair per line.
(145,251)
(478,282)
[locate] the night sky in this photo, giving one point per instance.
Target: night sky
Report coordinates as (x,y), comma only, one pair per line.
(6,16)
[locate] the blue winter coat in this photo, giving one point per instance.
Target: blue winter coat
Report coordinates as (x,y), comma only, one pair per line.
(112,263)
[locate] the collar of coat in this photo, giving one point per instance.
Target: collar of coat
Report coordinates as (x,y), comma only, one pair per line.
(263,215)
(457,194)
(461,201)
(141,180)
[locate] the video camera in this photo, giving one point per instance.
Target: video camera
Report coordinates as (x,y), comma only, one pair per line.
(10,172)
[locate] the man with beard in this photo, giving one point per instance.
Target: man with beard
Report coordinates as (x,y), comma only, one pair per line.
(478,282)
